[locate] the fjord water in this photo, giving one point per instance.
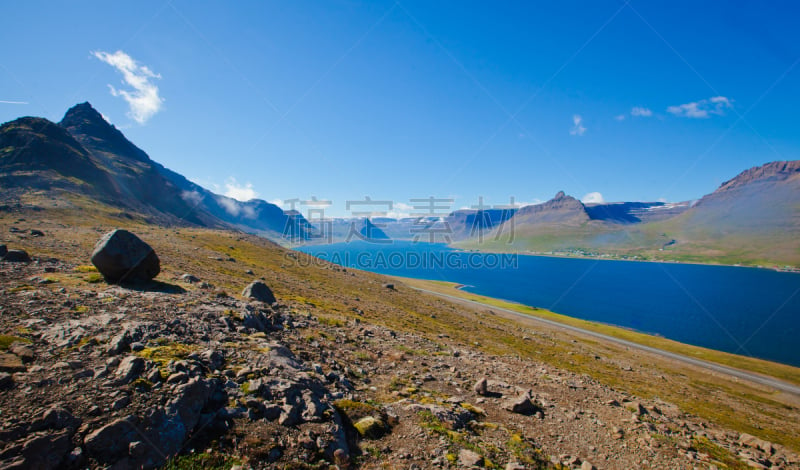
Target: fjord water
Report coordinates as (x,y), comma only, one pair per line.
(748,311)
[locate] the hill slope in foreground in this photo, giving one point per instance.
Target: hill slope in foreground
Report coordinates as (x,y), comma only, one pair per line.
(342,370)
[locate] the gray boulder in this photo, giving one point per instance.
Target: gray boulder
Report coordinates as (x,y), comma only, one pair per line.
(17,256)
(257,290)
(110,443)
(121,256)
(522,405)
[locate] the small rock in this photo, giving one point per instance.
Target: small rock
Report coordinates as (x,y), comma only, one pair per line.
(23,351)
(129,369)
(17,256)
(522,405)
(481,386)
(112,441)
(257,290)
(36,233)
(6,381)
(11,363)
(587,466)
(389,286)
(189,278)
(468,458)
(178,378)
(370,427)
(121,403)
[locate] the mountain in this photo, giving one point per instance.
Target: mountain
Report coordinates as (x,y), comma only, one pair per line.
(467,223)
(635,212)
(561,210)
(753,218)
(755,215)
(84,154)
(371,232)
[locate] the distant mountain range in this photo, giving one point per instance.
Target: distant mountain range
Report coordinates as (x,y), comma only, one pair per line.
(753,218)
(85,155)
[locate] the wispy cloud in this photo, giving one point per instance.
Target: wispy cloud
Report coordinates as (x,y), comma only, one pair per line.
(702,109)
(620,117)
(13,102)
(143,99)
(639,111)
(593,197)
(577,128)
(240,192)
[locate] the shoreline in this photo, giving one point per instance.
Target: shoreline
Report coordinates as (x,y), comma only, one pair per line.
(781,269)
(784,377)
(793,269)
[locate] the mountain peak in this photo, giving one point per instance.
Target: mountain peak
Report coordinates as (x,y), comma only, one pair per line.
(91,129)
(560,209)
(82,112)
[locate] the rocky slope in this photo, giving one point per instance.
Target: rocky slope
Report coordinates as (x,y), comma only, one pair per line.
(131,376)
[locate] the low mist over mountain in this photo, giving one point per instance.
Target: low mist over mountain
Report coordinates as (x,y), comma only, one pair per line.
(85,155)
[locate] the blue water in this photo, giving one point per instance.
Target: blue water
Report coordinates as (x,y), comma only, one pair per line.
(754,312)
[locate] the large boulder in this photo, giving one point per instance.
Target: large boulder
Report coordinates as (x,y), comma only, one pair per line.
(121,256)
(257,290)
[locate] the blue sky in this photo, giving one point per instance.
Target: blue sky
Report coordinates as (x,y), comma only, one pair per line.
(400,100)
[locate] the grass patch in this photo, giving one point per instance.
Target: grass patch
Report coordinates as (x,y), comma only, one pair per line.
(161,355)
(202,461)
(93,278)
(7,340)
(355,410)
(718,454)
(330,321)
(22,288)
(85,269)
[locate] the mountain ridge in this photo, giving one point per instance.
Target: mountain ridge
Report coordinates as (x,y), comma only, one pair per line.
(93,157)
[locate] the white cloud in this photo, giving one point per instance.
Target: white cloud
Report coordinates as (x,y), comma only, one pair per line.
(13,102)
(240,192)
(641,112)
(577,128)
(703,108)
(594,197)
(192,197)
(231,206)
(142,98)
(400,210)
(620,117)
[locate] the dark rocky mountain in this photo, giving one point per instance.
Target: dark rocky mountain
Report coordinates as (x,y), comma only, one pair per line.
(371,232)
(84,154)
(35,152)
